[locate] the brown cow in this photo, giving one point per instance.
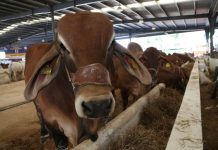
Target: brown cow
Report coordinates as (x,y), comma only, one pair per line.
(184,57)
(69,79)
(128,85)
(167,72)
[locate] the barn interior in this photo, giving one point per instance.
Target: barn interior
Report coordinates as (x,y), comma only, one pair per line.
(27,22)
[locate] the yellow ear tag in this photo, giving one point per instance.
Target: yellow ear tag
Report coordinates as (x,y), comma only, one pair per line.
(133,64)
(46,70)
(167,65)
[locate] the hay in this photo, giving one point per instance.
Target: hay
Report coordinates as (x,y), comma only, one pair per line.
(155,125)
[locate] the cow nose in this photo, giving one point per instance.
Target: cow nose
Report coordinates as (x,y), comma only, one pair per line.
(97,109)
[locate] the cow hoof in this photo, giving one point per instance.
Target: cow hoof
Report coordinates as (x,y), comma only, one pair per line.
(43,138)
(61,148)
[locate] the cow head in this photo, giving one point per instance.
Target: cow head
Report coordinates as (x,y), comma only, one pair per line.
(85,45)
(87,38)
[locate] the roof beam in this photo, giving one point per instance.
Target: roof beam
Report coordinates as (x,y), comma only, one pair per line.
(45,10)
(164,18)
(180,13)
(165,12)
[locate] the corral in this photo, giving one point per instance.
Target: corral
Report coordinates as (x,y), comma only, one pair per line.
(85,75)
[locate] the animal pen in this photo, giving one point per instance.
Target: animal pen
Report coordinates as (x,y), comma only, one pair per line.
(164,118)
(186,132)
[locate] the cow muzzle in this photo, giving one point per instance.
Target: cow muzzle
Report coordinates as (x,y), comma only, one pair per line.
(93,107)
(92,88)
(97,109)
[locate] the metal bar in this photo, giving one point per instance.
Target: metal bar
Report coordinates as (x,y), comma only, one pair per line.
(165,12)
(195,12)
(18,3)
(213,8)
(9,9)
(154,17)
(164,18)
(12,6)
(53,22)
(180,13)
(45,10)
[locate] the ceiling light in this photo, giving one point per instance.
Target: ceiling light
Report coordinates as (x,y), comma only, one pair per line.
(150,3)
(6,29)
(10,27)
(43,40)
(153,28)
(95,10)
(14,25)
(18,38)
(135,5)
(107,9)
(141,21)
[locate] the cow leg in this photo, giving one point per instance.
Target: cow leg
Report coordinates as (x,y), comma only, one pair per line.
(61,141)
(44,134)
(125,97)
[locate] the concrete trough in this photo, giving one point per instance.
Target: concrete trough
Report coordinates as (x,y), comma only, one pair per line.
(187,130)
(125,120)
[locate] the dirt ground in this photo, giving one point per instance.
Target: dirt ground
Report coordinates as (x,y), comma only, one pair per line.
(209,111)
(11,93)
(19,129)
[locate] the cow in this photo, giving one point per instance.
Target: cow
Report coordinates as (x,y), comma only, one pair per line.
(4,76)
(4,66)
(16,70)
(70,79)
(167,72)
(184,57)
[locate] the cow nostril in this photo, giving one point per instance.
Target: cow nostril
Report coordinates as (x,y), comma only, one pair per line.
(87,107)
(108,104)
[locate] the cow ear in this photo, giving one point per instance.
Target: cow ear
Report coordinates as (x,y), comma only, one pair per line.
(45,71)
(132,64)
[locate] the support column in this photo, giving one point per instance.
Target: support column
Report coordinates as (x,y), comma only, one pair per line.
(130,36)
(53,22)
(207,34)
(212,22)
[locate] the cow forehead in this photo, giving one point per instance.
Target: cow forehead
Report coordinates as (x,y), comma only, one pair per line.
(86,29)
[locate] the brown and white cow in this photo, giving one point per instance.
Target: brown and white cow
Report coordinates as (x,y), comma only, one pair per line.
(70,79)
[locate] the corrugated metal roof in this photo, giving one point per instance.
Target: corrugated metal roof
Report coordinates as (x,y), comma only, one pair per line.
(31,19)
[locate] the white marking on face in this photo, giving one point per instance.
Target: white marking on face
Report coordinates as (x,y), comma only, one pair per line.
(65,44)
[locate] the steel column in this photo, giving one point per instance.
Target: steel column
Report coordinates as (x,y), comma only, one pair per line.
(53,22)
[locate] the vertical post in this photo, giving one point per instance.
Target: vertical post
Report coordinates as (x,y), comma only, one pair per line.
(52,22)
(130,36)
(207,34)
(212,22)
